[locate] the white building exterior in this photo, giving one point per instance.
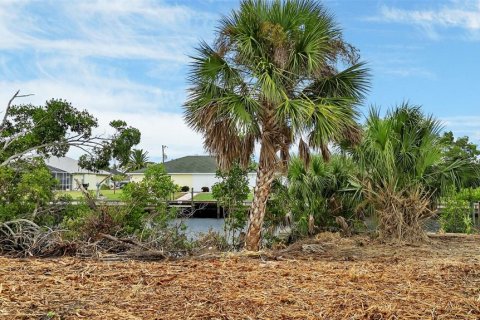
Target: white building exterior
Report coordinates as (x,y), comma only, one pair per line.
(67,171)
(192,171)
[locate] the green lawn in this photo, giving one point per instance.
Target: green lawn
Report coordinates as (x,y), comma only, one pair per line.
(106,193)
(204,196)
(110,195)
(207,196)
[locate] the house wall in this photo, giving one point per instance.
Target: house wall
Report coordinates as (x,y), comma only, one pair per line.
(200,180)
(91,179)
(195,180)
(184,179)
(136,177)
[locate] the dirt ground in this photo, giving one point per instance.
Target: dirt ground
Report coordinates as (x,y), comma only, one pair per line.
(324,278)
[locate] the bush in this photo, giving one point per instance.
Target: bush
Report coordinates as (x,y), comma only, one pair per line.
(185,189)
(34,182)
(104,187)
(455,217)
(205,189)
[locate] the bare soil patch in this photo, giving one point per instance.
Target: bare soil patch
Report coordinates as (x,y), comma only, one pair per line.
(324,278)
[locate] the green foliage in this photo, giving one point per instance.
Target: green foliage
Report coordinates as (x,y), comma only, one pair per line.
(185,189)
(404,150)
(461,149)
(468,194)
(455,216)
(76,221)
(231,192)
(25,190)
(404,170)
(44,128)
(283,57)
(322,191)
(117,147)
(279,71)
(152,192)
(138,160)
(51,130)
(278,206)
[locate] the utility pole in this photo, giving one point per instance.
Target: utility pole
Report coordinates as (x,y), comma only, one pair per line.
(164,156)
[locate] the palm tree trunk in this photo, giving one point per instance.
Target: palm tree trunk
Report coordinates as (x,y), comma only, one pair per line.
(259,203)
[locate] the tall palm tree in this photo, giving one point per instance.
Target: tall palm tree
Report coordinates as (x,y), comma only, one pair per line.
(272,77)
(138,159)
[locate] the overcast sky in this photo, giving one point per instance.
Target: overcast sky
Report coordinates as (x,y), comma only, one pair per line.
(129,59)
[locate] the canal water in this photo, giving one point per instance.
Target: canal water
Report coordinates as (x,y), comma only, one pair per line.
(201,225)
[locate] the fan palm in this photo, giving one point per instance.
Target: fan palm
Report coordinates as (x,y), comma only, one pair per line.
(322,190)
(272,77)
(404,169)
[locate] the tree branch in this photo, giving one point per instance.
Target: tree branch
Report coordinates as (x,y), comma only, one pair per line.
(9,105)
(78,142)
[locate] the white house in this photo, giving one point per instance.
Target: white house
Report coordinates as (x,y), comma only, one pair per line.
(66,170)
(193,171)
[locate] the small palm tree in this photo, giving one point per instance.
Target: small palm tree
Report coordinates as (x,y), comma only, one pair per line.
(273,77)
(138,159)
(323,190)
(404,170)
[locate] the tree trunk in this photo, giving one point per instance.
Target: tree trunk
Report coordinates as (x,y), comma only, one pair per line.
(259,203)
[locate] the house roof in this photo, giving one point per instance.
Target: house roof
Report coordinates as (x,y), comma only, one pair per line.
(189,164)
(53,169)
(69,165)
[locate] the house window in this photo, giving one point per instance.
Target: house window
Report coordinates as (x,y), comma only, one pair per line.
(64,180)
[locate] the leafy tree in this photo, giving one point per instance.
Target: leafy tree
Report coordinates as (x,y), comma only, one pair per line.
(25,190)
(52,129)
(273,77)
(153,191)
(462,149)
(403,170)
(231,192)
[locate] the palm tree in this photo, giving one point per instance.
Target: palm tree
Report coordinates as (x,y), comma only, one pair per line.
(138,159)
(404,170)
(272,77)
(320,192)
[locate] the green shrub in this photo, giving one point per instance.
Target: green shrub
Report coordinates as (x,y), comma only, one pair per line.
(26,190)
(455,216)
(185,189)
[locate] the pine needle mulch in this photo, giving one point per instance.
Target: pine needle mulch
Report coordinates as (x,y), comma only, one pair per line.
(347,279)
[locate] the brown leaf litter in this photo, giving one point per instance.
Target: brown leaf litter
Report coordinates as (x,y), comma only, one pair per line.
(330,278)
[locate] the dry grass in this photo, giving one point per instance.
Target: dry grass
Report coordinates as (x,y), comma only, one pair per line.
(342,279)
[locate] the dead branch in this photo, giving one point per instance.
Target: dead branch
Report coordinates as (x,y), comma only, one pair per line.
(130,242)
(88,197)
